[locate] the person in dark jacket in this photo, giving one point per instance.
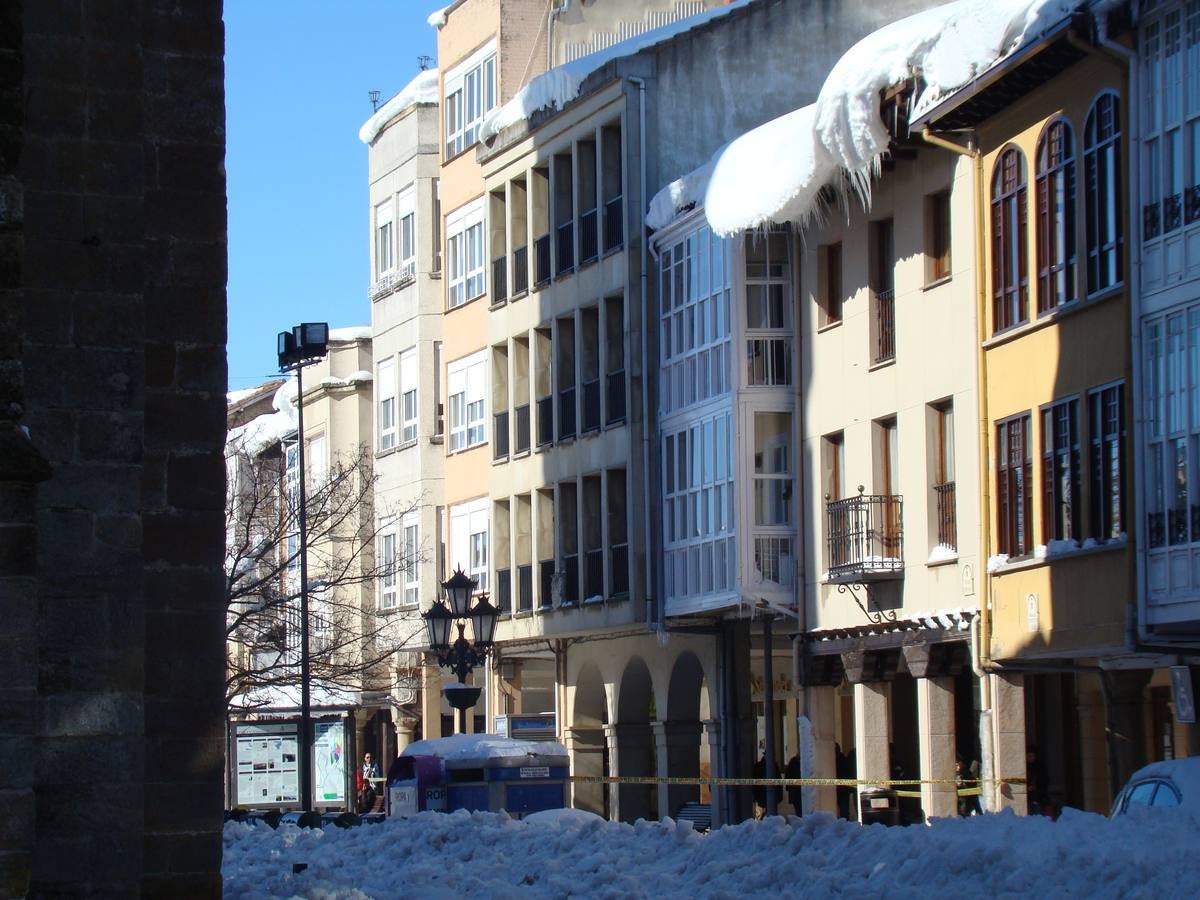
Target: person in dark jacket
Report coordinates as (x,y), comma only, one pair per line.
(794,793)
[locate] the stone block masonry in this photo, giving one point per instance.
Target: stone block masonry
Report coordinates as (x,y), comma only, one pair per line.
(112,355)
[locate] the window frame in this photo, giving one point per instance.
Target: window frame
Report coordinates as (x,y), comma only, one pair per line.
(1102,156)
(1010,235)
(1055,226)
(385,404)
(388,554)
(406,232)
(1112,447)
(469,92)
(466,264)
(385,237)
(939,237)
(466,391)
(831,296)
(1062,507)
(409,420)
(1014,509)
(468,521)
(409,541)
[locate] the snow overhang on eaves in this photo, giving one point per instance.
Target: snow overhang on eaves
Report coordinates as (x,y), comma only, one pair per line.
(1011,79)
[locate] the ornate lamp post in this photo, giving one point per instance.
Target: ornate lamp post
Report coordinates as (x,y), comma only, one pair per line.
(303,345)
(461,656)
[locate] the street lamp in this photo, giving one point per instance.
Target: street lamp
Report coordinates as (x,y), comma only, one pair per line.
(462,655)
(303,345)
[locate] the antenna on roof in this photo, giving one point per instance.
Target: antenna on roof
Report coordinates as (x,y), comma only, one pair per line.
(424,62)
(373,96)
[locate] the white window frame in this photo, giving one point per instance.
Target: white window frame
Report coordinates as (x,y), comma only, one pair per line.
(388,554)
(410,548)
(385,411)
(467,401)
(468,93)
(406,233)
(465,254)
(469,540)
(385,237)
(316,461)
(408,396)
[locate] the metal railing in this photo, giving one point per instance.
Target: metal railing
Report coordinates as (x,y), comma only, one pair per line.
(593,573)
(500,435)
(885,326)
(616,398)
(499,279)
(541,261)
(504,591)
(566,413)
(614,228)
(589,236)
(618,576)
(522,423)
(520,270)
(591,405)
(525,588)
(546,583)
(570,581)
(545,421)
(947,534)
(864,537)
(565,240)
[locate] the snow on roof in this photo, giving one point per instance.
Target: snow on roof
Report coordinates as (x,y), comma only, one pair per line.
(775,172)
(481,746)
(270,428)
(437,18)
(422,89)
(560,85)
(362,376)
(354,333)
(244,394)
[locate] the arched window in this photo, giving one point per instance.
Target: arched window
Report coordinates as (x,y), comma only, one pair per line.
(1056,241)
(1010,267)
(1102,183)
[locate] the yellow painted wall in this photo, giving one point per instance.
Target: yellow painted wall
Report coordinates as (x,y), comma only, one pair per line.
(1074,604)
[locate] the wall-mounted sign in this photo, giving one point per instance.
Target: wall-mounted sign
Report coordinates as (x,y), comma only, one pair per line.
(1181,693)
(1031,613)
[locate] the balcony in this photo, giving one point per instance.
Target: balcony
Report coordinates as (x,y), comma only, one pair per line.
(566,413)
(525,588)
(546,582)
(614,230)
(616,398)
(504,591)
(545,421)
(500,435)
(499,280)
(589,236)
(565,240)
(522,440)
(591,406)
(520,267)
(570,589)
(541,261)
(885,326)
(618,578)
(593,574)
(865,538)
(947,523)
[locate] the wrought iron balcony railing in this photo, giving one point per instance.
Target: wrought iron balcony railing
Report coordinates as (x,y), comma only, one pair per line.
(864,538)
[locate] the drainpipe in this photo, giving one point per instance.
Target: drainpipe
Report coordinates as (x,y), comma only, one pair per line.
(981,630)
(652,617)
(555,10)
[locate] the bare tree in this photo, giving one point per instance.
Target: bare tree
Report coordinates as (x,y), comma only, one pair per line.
(351,648)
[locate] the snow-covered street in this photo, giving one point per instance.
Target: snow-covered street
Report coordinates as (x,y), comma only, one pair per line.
(571,854)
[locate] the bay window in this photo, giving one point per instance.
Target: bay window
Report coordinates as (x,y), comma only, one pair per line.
(408,396)
(464,250)
(469,93)
(467,380)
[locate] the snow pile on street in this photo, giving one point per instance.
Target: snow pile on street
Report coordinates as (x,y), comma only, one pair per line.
(559,86)
(422,89)
(776,172)
(262,431)
(1148,854)
(481,746)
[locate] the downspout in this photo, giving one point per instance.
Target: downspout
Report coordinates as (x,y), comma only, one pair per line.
(552,14)
(652,617)
(981,628)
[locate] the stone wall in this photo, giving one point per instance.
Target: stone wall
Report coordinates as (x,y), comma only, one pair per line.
(113,255)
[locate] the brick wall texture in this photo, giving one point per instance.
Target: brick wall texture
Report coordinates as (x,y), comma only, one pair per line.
(112,354)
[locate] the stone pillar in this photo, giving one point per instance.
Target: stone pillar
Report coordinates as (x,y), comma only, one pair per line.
(405,727)
(935,712)
(712,734)
(1093,752)
(431,702)
(585,747)
(630,753)
(1008,718)
(822,704)
(871,733)
(677,751)
(1126,721)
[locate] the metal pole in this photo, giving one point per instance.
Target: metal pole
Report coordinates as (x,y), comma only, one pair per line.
(305,754)
(769,713)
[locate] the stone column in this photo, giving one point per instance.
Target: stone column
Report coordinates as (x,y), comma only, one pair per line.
(871,734)
(1126,721)
(585,747)
(431,702)
(1093,752)
(712,734)
(821,704)
(1008,717)
(406,728)
(935,733)
(677,751)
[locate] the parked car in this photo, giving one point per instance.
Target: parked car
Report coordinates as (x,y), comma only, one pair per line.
(1172,782)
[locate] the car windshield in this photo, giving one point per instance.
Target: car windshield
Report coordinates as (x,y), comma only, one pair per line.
(1166,795)
(1140,794)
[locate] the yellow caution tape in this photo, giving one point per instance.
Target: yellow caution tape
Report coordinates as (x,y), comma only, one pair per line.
(792,782)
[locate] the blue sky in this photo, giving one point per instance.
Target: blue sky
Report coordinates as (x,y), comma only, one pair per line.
(297,73)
